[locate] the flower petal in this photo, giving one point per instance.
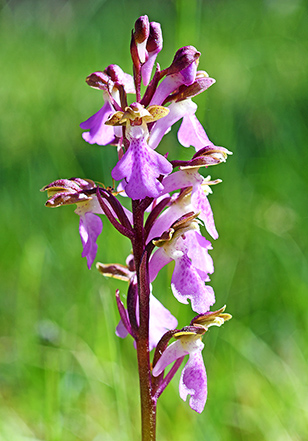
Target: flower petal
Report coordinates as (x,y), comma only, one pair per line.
(193,382)
(157,262)
(186,283)
(201,204)
(141,166)
(99,133)
(161,320)
(192,133)
(90,227)
(172,353)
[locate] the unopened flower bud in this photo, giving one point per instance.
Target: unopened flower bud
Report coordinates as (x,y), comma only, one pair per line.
(183,58)
(155,39)
(98,80)
(140,36)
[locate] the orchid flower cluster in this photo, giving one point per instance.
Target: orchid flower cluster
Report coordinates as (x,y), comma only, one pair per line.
(169,205)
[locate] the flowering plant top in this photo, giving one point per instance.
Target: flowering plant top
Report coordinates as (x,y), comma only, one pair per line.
(169,204)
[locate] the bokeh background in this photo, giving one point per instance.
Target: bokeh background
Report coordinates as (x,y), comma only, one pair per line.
(63,373)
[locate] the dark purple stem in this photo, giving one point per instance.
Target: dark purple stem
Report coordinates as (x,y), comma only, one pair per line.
(154,214)
(123,230)
(148,401)
(117,207)
(169,377)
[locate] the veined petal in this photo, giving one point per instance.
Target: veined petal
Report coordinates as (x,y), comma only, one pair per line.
(186,284)
(140,167)
(193,382)
(90,227)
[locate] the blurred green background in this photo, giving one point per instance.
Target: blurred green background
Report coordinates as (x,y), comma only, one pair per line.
(63,373)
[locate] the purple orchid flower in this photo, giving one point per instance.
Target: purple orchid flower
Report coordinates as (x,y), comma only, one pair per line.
(189,250)
(82,193)
(193,379)
(141,166)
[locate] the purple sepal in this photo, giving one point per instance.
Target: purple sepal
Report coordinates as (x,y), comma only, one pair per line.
(121,331)
(193,382)
(201,204)
(163,125)
(173,82)
(140,167)
(161,321)
(90,227)
(174,351)
(153,47)
(192,133)
(99,133)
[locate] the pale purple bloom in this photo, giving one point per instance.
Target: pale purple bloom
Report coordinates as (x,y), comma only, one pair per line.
(82,193)
(140,166)
(193,379)
(161,320)
(192,266)
(90,227)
